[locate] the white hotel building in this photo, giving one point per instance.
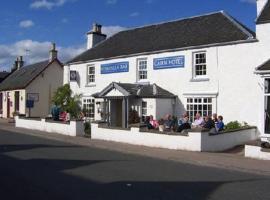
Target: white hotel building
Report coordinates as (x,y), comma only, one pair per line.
(210,64)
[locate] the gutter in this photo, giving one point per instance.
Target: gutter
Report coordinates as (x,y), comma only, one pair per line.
(250,40)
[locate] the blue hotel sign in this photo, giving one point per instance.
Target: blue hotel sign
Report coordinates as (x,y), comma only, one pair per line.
(169,62)
(115,68)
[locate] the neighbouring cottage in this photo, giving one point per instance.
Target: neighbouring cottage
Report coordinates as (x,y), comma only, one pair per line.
(3,75)
(31,86)
(199,64)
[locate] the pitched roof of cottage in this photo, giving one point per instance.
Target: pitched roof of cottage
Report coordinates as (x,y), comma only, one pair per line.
(3,75)
(21,78)
(264,17)
(210,29)
(136,90)
(264,67)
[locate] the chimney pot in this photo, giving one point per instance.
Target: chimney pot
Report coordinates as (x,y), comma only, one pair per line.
(19,62)
(53,52)
(95,36)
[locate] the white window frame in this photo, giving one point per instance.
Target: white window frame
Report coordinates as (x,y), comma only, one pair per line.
(142,69)
(202,64)
(88,105)
(144,108)
(206,103)
(91,78)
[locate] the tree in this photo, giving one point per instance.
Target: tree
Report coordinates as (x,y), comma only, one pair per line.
(68,102)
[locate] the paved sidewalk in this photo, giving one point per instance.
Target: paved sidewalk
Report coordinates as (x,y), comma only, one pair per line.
(229,160)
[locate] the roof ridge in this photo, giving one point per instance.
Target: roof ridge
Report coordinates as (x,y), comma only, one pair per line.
(170,21)
(239,25)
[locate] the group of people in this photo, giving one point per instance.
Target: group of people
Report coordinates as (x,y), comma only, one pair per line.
(170,123)
(209,122)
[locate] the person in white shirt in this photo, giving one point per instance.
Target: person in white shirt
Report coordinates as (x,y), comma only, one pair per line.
(198,122)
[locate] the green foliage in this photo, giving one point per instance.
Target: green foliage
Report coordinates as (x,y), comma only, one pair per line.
(133,117)
(234,125)
(68,102)
(87,128)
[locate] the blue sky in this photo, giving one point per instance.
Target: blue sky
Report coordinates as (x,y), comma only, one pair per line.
(33,24)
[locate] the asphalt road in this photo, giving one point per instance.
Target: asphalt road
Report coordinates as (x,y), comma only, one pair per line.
(33,168)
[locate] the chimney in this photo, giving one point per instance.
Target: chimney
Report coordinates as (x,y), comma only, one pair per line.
(20,62)
(53,53)
(95,36)
(260,6)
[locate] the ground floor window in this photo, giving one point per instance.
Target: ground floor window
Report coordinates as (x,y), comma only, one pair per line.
(203,105)
(89,107)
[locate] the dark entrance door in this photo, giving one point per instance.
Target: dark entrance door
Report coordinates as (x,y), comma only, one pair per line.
(267,106)
(116,112)
(267,115)
(8,107)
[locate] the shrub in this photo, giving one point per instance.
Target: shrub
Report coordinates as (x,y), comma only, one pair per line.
(64,98)
(133,117)
(235,125)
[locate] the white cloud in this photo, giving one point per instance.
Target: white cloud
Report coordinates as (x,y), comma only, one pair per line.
(134,14)
(26,23)
(111,2)
(46,4)
(248,1)
(34,51)
(111,30)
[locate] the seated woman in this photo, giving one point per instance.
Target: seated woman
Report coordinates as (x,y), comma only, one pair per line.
(147,122)
(198,122)
(220,124)
(168,123)
(153,122)
(184,124)
(209,123)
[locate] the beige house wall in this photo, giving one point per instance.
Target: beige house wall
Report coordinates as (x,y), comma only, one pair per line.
(44,86)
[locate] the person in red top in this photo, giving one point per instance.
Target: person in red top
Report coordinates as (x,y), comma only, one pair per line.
(153,122)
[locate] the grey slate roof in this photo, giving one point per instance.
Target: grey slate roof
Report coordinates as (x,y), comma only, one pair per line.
(264,67)
(136,90)
(208,29)
(21,78)
(3,75)
(265,14)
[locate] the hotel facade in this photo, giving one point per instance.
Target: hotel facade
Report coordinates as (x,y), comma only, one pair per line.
(210,64)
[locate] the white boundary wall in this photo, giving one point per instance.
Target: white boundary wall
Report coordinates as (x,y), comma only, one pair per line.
(256,153)
(74,128)
(195,141)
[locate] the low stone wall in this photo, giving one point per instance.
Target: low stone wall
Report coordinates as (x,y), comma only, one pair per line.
(228,140)
(73,128)
(193,141)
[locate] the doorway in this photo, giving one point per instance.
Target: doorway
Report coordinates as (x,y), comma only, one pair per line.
(8,107)
(116,112)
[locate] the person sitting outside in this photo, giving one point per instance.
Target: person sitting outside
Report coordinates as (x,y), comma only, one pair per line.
(147,122)
(215,117)
(182,119)
(198,122)
(168,123)
(220,124)
(185,123)
(209,123)
(154,123)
